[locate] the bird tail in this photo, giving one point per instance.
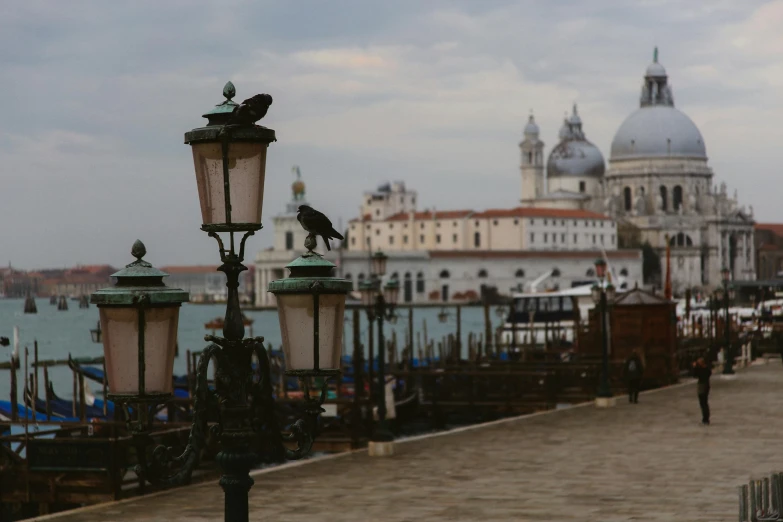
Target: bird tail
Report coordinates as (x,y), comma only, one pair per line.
(326,240)
(335,234)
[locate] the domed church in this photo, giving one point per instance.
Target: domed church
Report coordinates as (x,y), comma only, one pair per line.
(658,183)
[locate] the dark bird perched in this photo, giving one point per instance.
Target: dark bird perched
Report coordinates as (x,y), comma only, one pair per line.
(250,110)
(317,224)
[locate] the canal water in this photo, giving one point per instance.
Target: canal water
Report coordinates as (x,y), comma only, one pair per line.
(60,333)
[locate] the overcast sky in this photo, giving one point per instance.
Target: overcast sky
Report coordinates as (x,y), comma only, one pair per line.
(96,97)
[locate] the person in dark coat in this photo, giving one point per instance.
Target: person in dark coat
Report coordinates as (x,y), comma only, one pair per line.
(702,371)
(633,376)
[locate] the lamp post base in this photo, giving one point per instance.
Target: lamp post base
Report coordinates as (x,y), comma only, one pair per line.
(728,376)
(381,449)
(605,402)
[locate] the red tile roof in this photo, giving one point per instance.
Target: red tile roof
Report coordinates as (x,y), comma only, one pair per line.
(535,254)
(446,214)
(775,228)
(540,212)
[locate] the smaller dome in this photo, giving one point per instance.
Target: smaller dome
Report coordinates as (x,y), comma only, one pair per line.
(531,129)
(575,119)
(655,70)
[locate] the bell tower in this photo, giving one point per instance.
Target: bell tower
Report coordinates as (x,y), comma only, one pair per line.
(532,165)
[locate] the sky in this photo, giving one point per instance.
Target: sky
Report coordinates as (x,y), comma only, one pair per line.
(96,97)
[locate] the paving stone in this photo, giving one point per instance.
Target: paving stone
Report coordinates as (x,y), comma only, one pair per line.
(648,461)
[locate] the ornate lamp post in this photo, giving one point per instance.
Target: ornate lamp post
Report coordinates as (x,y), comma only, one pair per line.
(602,296)
(728,295)
(379,305)
(139,323)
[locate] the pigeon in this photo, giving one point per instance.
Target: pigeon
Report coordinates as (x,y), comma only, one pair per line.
(251,110)
(317,224)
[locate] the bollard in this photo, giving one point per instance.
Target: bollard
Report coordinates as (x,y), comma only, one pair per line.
(774,492)
(743,493)
(752,499)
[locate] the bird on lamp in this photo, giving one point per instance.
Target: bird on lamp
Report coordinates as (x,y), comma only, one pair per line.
(250,110)
(317,224)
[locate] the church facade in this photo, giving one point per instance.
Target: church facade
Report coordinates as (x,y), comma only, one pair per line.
(658,181)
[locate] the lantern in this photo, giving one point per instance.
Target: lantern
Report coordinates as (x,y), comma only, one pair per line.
(611,293)
(96,332)
(443,315)
(311,309)
(230,163)
(379,264)
(139,317)
(725,274)
(391,292)
(600,269)
(732,293)
(368,290)
(595,293)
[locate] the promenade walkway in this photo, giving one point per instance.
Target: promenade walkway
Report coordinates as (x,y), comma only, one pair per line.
(652,461)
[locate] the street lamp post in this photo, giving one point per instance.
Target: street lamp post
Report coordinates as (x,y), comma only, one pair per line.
(602,295)
(379,304)
(139,317)
(728,295)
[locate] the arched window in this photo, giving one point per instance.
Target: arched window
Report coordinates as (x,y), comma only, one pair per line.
(677,197)
(444,274)
(555,272)
(624,272)
(529,158)
(395,275)
(590,272)
(664,198)
(289,240)
(519,273)
(627,199)
(582,186)
(482,273)
(407,275)
(420,283)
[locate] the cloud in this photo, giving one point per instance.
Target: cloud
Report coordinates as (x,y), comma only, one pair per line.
(434,93)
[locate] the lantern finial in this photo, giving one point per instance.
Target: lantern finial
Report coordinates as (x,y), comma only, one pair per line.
(138,250)
(310,244)
(229,91)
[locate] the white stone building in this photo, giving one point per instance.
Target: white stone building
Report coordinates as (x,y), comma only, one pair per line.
(658,180)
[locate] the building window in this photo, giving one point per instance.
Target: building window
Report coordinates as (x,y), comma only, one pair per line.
(289,240)
(391,226)
(421,226)
(454,238)
(420,283)
(612,239)
(368,241)
(477,239)
(594,225)
(555,272)
(495,222)
(624,272)
(590,273)
(395,275)
(602,239)
(545,222)
(404,225)
(627,199)
(562,238)
(664,198)
(437,238)
(421,238)
(482,273)
(437,224)
(545,237)
(562,222)
(532,237)
(554,238)
(391,240)
(582,186)
(353,241)
(594,239)
(367,227)
(575,223)
(444,274)
(532,221)
(377,212)
(454,224)
(477,223)
(602,224)
(677,198)
(377,231)
(575,240)
(519,273)
(516,222)
(405,240)
(413,201)
(348,278)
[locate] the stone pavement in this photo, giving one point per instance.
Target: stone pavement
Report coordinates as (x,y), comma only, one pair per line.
(650,461)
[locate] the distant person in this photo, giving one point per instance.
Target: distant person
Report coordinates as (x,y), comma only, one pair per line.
(702,371)
(633,376)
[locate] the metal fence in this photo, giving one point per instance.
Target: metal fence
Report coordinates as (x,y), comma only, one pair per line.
(762,499)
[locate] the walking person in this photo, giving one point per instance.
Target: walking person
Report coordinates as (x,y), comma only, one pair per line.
(633,376)
(702,371)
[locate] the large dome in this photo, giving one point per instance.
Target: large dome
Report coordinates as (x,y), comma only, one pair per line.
(574,155)
(657,129)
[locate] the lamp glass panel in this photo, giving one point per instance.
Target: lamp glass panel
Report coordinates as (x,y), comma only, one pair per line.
(296,326)
(247,166)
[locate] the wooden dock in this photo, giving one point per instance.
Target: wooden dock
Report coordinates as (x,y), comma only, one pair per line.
(650,461)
